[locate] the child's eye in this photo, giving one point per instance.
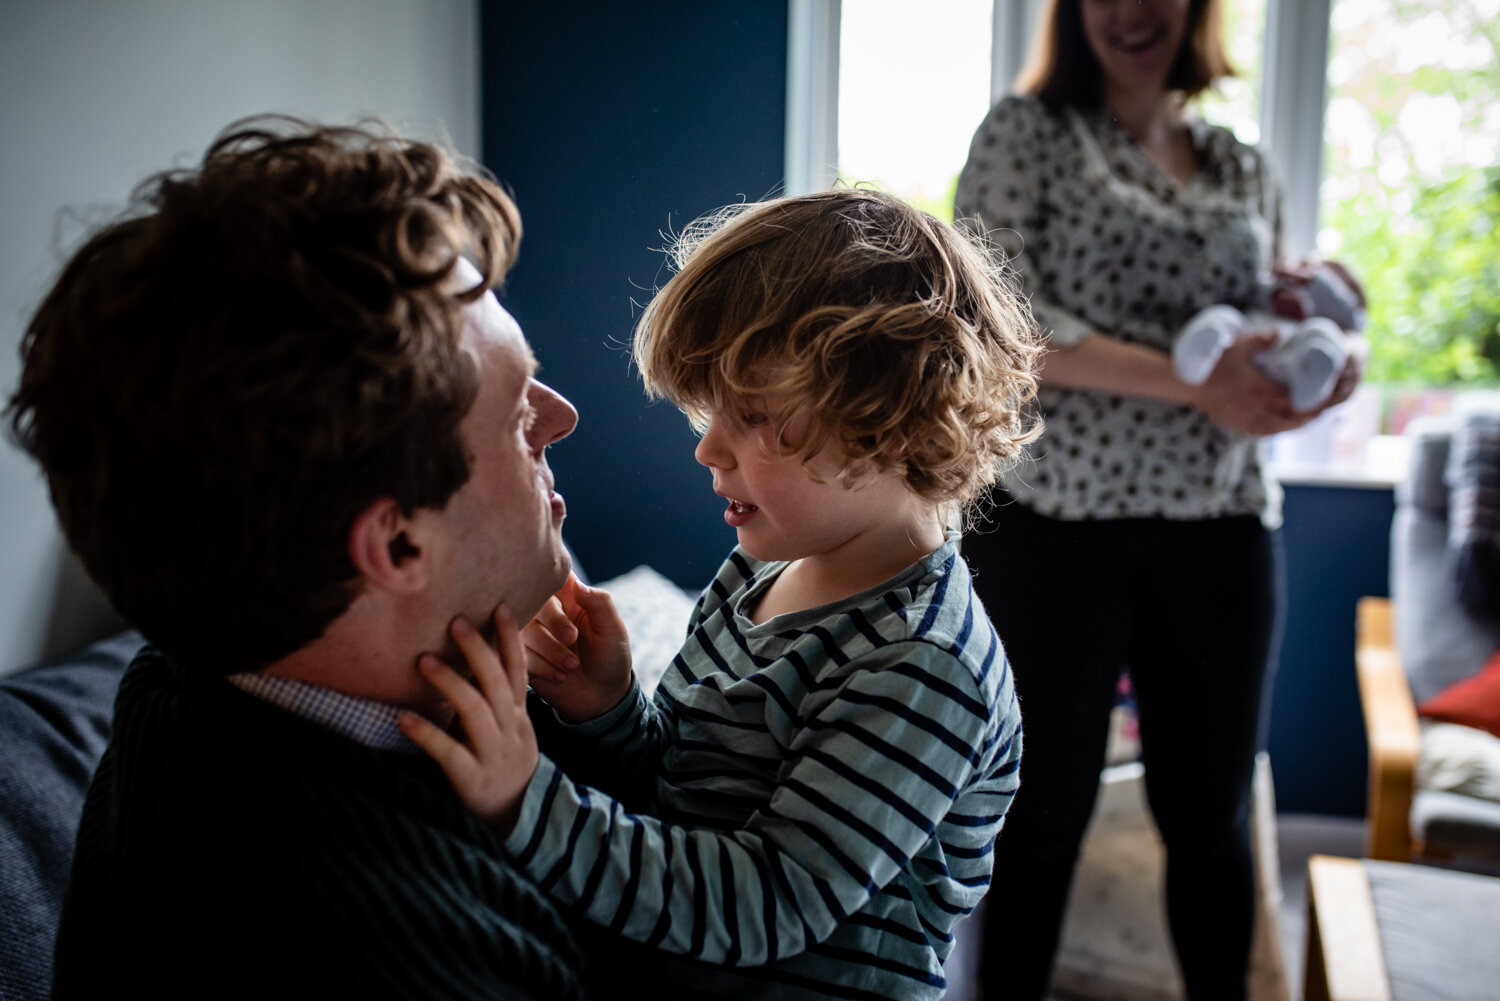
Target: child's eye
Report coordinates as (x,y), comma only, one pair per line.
(754,420)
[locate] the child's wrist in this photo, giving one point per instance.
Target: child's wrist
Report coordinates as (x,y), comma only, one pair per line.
(606,703)
(503,823)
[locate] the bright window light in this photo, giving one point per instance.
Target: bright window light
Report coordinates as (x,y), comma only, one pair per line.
(914,84)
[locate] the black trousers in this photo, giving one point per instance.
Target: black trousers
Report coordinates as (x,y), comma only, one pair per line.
(1193,610)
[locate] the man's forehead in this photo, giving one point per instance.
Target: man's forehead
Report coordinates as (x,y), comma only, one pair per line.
(490,330)
(509,331)
(527,357)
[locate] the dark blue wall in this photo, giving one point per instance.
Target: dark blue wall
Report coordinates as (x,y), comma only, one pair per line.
(1337,542)
(612,123)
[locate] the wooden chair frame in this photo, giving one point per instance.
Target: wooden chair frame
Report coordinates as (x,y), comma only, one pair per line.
(1391,728)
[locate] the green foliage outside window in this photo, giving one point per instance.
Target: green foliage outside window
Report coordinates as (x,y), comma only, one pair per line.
(1432,276)
(1411,197)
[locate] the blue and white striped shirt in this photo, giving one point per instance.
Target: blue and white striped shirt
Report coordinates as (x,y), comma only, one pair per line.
(828,786)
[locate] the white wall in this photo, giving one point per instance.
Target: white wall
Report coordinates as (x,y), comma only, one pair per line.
(96,94)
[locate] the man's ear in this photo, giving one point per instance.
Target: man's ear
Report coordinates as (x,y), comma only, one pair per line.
(383,547)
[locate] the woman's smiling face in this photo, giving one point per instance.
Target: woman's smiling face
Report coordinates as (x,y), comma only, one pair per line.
(1135,41)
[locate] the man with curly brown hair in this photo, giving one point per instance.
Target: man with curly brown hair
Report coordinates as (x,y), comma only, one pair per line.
(292,434)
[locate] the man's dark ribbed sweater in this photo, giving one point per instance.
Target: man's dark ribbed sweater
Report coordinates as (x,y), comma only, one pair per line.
(228,848)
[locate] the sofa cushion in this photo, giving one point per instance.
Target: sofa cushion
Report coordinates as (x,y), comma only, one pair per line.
(54,724)
(1438,640)
(1436,931)
(1474,701)
(1462,829)
(1474,509)
(1426,484)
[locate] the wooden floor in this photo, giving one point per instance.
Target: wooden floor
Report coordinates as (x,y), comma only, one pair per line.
(1299,836)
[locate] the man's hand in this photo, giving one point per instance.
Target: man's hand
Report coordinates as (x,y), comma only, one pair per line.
(491,769)
(578,652)
(1240,397)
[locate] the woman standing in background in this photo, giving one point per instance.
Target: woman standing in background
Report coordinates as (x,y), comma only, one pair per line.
(1140,537)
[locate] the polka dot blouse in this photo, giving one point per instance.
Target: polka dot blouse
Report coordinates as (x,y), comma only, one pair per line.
(1106,242)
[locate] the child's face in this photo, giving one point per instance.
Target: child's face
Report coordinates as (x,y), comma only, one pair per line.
(778,510)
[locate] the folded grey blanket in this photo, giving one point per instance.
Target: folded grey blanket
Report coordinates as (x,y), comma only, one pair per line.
(1474,512)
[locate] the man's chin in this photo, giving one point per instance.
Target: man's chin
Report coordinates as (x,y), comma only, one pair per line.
(556,575)
(547,579)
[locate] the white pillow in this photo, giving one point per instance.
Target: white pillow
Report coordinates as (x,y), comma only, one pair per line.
(655,612)
(1461,759)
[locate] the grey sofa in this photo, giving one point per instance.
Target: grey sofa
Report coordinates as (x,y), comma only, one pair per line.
(1412,647)
(54,724)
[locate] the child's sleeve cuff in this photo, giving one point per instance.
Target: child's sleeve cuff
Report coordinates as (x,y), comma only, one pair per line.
(530,826)
(628,708)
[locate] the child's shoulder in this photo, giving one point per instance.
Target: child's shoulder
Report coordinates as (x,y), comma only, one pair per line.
(928,631)
(942,607)
(931,604)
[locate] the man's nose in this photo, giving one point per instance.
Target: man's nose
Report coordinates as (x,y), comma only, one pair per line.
(555,416)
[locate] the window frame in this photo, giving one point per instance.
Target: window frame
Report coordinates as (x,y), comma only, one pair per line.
(812,95)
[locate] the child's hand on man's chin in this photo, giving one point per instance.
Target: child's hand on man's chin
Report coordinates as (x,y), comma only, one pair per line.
(578,652)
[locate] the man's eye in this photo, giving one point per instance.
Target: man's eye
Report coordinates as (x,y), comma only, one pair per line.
(754,420)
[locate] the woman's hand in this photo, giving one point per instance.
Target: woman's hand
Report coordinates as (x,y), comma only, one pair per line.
(1349,378)
(1240,397)
(492,767)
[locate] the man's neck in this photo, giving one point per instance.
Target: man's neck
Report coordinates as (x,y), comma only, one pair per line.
(364,663)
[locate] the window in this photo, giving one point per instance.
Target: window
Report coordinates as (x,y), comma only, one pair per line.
(1398,176)
(1411,191)
(914,82)
(913,86)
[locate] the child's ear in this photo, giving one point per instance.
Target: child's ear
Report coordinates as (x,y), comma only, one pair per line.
(384,546)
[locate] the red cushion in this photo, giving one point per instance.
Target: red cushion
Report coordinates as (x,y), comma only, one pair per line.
(1474,701)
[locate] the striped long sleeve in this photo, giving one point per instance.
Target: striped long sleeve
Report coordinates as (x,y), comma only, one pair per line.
(828,788)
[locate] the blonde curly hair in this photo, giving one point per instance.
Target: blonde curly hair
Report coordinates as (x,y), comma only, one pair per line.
(902,339)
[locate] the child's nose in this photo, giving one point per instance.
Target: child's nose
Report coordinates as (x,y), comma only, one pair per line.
(710,450)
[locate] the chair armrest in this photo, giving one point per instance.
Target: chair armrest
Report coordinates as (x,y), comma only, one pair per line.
(1392,732)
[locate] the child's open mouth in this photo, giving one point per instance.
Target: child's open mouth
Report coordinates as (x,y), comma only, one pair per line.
(739,512)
